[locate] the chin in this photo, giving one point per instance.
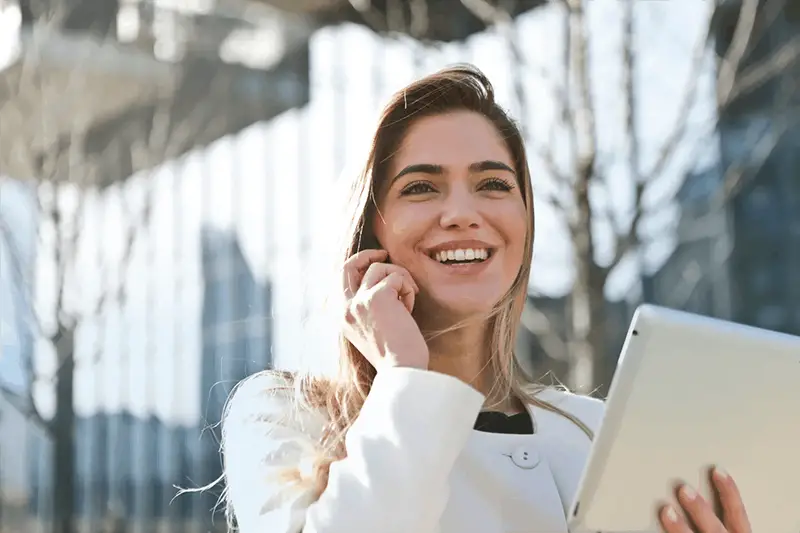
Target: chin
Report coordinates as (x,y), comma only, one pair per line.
(461,306)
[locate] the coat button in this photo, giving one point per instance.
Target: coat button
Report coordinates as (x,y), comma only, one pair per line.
(526,458)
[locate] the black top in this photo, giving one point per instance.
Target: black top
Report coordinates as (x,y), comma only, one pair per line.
(498,422)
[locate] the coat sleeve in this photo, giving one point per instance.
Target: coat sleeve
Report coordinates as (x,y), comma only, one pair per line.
(400,452)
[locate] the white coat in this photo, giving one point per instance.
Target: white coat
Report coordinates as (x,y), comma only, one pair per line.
(414,462)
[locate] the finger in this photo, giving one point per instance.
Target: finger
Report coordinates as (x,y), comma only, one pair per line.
(408,296)
(672,521)
(377,271)
(375,274)
(699,511)
(399,284)
(734,514)
(355,267)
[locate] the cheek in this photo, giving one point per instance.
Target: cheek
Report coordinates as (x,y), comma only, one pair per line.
(399,229)
(513,220)
(515,228)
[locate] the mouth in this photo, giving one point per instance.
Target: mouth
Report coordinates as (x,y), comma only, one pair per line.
(462,256)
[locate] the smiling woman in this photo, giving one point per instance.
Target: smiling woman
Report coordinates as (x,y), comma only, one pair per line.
(431,425)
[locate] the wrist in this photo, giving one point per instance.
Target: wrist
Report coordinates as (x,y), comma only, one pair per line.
(417,360)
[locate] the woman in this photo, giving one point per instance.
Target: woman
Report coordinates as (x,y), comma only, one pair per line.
(431,425)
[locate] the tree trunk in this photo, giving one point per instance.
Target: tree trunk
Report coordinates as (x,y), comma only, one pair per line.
(589,368)
(63,434)
(587,302)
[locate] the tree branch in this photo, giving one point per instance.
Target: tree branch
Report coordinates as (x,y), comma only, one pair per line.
(678,131)
(419,25)
(488,13)
(491,15)
(163,142)
(584,119)
(18,272)
(25,406)
(760,73)
(370,15)
(738,175)
(729,64)
(730,85)
(730,82)
(164,139)
(740,172)
(628,240)
(537,322)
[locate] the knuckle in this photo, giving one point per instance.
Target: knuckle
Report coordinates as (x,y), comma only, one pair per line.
(384,294)
(349,317)
(361,304)
(399,271)
(377,294)
(356,309)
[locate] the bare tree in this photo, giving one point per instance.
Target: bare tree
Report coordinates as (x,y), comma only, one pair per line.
(582,194)
(583,211)
(71,156)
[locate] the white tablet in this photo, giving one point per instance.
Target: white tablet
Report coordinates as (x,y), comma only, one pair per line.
(691,392)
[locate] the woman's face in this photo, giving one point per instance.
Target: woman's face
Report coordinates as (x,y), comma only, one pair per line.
(451,212)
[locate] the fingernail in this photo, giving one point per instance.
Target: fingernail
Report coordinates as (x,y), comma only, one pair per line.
(721,474)
(670,514)
(688,492)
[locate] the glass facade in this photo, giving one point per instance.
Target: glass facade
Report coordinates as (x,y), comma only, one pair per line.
(757,241)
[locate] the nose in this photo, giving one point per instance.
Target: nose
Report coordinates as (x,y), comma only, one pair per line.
(459,211)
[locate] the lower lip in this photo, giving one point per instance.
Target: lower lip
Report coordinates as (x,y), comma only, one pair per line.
(465,269)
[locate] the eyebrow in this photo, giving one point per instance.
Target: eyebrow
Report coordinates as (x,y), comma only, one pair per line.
(427,168)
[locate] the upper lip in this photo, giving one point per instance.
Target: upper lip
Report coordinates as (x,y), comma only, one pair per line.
(460,245)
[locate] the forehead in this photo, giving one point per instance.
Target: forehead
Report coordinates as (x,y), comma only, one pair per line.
(453,139)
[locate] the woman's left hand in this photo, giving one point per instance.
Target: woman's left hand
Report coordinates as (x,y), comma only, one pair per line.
(700,512)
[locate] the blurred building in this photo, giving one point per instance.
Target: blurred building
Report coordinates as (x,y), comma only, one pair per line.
(17,237)
(739,238)
(237,342)
(125,67)
(128,467)
(542,346)
(131,86)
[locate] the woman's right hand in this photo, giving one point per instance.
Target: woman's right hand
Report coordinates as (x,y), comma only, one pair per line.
(377,321)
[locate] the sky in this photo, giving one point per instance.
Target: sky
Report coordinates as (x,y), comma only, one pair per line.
(252,184)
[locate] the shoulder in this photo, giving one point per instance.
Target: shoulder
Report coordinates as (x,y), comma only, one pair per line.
(265,394)
(269,401)
(270,444)
(587,409)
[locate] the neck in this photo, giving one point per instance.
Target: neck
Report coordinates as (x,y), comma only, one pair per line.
(464,353)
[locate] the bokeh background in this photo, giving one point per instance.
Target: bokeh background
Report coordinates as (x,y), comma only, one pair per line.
(168,179)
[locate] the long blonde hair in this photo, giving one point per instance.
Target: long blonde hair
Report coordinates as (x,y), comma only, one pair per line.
(456,88)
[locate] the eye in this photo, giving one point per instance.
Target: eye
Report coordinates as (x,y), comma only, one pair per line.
(496,184)
(417,187)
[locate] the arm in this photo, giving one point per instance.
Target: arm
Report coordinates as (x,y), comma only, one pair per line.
(400,452)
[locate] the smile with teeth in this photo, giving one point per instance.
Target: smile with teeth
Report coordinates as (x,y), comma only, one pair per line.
(467,255)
